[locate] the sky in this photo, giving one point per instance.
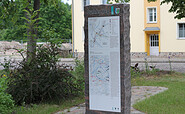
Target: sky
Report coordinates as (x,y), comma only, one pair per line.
(66,1)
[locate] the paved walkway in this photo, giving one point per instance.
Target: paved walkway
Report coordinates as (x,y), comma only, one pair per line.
(178,64)
(138,93)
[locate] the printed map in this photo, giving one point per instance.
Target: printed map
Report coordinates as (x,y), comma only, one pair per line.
(99,78)
(99,32)
(104,63)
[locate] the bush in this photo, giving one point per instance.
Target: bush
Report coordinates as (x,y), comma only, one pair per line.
(41,79)
(78,72)
(6,102)
(135,73)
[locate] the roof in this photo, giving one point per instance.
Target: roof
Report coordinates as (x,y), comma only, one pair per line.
(152,29)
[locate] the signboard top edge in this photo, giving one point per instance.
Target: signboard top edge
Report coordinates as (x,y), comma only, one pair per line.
(104,10)
(117,4)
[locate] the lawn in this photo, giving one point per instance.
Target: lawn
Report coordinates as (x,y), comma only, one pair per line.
(50,108)
(171,101)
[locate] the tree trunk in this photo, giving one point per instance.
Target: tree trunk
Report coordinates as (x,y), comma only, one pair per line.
(32,32)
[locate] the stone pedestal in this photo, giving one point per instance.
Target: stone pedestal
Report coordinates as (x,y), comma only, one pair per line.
(121,10)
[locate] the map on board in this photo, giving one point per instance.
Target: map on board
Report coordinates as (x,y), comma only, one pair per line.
(100,77)
(104,63)
(99,32)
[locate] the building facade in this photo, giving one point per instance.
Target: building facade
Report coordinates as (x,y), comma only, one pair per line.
(154,31)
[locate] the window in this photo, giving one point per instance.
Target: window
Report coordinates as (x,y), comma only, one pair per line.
(154,40)
(104,1)
(181,30)
(152,15)
(85,3)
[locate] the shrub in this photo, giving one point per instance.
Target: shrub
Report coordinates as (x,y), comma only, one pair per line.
(78,72)
(41,79)
(6,102)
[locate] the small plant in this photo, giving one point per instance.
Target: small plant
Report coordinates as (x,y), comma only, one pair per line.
(146,65)
(7,65)
(135,71)
(170,64)
(6,102)
(78,72)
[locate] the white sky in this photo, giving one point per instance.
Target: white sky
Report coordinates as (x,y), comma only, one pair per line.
(66,1)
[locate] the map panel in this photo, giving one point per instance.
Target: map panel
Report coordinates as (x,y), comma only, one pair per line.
(100,77)
(99,33)
(104,63)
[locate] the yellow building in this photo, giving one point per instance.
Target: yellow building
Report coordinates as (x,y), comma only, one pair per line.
(154,31)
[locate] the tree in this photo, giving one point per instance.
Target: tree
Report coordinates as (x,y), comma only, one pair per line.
(178,6)
(54,23)
(32,16)
(8,7)
(31,10)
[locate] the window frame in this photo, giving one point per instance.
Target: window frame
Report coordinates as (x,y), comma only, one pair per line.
(178,37)
(148,16)
(83,34)
(103,1)
(88,2)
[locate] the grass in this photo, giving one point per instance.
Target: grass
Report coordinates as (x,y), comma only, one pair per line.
(50,108)
(171,101)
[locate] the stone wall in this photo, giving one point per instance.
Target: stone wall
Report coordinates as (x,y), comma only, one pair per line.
(161,54)
(10,48)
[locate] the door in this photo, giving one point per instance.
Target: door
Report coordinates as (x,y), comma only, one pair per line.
(154,44)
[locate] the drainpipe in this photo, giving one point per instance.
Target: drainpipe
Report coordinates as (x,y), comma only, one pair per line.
(73,27)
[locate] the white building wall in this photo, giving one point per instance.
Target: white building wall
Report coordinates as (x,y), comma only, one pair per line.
(169,41)
(137,26)
(168,27)
(79,24)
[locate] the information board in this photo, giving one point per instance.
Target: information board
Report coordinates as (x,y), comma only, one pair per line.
(104,63)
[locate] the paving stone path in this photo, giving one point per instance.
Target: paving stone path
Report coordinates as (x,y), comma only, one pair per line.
(138,93)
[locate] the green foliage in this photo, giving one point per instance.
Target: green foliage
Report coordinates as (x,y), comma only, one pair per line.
(78,72)
(117,1)
(16,33)
(153,71)
(6,102)
(135,73)
(41,79)
(50,108)
(7,65)
(178,7)
(55,21)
